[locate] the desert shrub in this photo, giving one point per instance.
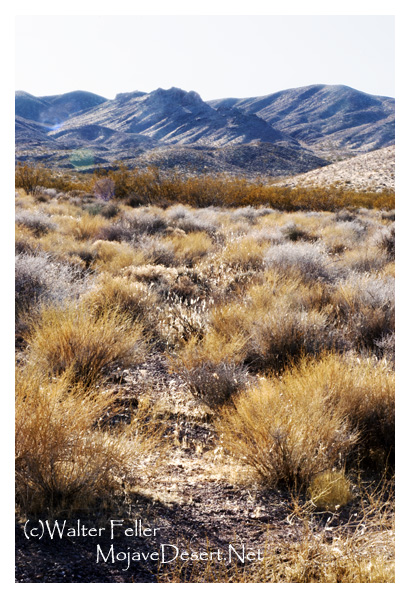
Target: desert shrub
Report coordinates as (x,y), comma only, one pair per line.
(310,260)
(146,222)
(213,384)
(104,188)
(364,309)
(108,210)
(285,437)
(211,367)
(46,192)
(132,226)
(118,231)
(388,215)
(70,338)
(37,222)
(345,215)
(385,240)
(30,177)
(269,234)
(250,214)
(156,250)
(386,347)
(63,460)
(293,232)
(191,221)
(40,279)
(274,332)
(141,187)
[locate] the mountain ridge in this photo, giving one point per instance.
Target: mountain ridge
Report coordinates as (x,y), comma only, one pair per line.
(283,133)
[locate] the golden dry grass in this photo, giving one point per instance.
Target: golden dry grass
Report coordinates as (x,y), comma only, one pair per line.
(63,460)
(279,324)
(330,490)
(286,438)
(70,338)
(191,248)
(112,256)
(310,420)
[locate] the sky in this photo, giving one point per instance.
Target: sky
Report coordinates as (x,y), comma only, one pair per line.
(217,56)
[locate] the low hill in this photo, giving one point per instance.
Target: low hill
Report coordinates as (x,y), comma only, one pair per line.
(374,171)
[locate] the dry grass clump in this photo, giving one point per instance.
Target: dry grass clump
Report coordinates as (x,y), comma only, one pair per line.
(113,257)
(309,421)
(39,279)
(364,309)
(309,260)
(191,248)
(63,459)
(286,438)
(385,240)
(364,259)
(362,390)
(82,227)
(25,243)
(37,222)
(135,299)
(71,338)
(274,331)
(245,253)
(330,490)
(67,457)
(212,368)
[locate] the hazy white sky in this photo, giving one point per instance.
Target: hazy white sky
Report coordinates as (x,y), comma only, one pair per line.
(217,56)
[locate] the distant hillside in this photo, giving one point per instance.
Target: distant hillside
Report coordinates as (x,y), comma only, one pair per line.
(175,116)
(289,132)
(325,117)
(53,110)
(374,171)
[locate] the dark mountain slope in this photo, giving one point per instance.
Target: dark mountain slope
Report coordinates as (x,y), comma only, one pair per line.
(29,133)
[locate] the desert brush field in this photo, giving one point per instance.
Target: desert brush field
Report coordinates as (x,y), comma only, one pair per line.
(211,357)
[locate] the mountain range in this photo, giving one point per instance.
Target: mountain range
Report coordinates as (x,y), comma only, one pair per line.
(285,133)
